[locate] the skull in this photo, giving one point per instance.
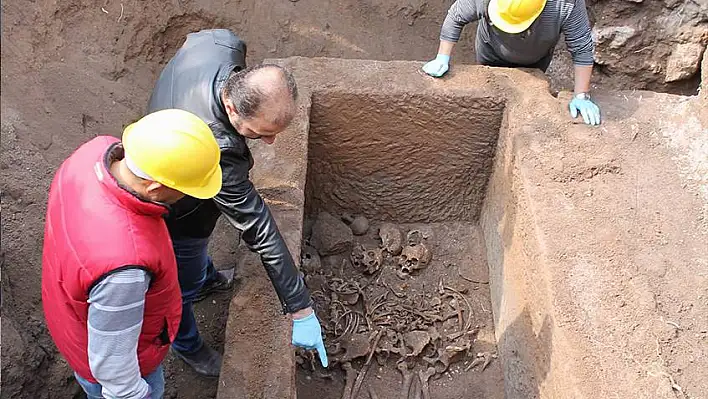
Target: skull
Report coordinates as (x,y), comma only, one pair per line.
(391,238)
(414,257)
(370,260)
(414,237)
(310,260)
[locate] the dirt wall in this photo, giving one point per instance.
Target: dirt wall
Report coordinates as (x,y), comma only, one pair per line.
(405,152)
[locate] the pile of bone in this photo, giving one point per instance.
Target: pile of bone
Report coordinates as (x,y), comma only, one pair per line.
(410,254)
(332,236)
(424,333)
(366,318)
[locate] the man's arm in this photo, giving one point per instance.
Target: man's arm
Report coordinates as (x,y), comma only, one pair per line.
(115,318)
(578,37)
(245,209)
(460,14)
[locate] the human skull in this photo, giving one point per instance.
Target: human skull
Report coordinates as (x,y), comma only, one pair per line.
(414,257)
(370,260)
(310,260)
(391,238)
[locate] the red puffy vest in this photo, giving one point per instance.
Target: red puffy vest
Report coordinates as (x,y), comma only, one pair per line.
(93,228)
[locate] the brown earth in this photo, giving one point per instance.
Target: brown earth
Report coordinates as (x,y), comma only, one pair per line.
(596,237)
(75,69)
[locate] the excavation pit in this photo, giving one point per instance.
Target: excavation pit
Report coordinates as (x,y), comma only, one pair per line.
(505,190)
(418,166)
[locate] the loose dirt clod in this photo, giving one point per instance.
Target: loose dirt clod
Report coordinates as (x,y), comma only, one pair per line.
(330,235)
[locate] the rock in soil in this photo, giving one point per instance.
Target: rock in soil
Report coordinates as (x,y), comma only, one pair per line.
(684,61)
(330,235)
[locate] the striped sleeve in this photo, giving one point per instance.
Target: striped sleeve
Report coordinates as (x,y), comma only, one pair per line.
(461,13)
(115,318)
(578,36)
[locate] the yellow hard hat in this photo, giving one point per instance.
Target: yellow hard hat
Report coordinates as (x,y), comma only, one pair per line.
(514,16)
(177,149)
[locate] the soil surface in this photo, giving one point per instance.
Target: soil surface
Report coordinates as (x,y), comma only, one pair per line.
(458,262)
(75,69)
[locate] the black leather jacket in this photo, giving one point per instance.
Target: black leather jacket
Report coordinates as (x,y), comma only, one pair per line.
(193,81)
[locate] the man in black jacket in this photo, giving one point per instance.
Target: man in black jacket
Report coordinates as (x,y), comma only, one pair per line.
(207,77)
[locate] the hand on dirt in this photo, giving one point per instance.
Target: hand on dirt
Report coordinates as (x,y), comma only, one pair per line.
(588,109)
(307,334)
(437,67)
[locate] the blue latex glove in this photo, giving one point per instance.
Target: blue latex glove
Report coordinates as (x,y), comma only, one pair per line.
(437,67)
(588,109)
(307,334)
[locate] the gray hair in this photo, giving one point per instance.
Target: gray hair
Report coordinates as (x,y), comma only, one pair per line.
(248,97)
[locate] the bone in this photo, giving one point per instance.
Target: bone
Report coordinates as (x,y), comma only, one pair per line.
(487,356)
(483,358)
(416,340)
(355,346)
(310,260)
(407,379)
(441,360)
(372,393)
(350,377)
(416,392)
(365,368)
(424,376)
(414,257)
(368,260)
(391,238)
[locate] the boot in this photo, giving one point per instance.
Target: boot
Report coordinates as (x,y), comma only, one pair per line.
(205,361)
(222,282)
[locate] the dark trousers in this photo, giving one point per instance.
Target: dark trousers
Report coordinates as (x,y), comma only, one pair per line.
(195,268)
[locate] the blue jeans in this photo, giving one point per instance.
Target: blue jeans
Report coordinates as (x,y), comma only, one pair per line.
(194,268)
(156,380)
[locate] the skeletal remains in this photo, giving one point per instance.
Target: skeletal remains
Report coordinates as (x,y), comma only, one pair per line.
(368,316)
(414,257)
(391,238)
(369,260)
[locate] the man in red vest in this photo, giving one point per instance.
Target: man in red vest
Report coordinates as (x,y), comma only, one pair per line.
(109,276)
